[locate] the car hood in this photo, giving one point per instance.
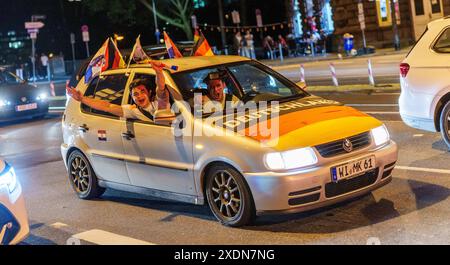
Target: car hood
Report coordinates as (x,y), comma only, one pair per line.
(300,123)
(14,90)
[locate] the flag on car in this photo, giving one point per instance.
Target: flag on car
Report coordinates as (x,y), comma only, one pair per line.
(108,57)
(196,36)
(172,50)
(202,47)
(138,54)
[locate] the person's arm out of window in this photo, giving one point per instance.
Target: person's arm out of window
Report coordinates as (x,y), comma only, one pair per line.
(162,94)
(97,104)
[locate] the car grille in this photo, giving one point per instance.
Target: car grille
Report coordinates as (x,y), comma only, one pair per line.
(336,148)
(10,224)
(334,189)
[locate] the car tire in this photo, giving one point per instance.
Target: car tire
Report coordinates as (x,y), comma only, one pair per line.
(445,124)
(229,196)
(82,177)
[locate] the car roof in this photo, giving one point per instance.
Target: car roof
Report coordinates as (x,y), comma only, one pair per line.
(196,62)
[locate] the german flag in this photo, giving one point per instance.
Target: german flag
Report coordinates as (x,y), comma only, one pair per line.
(202,47)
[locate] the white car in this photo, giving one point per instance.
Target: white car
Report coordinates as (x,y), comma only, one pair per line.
(425,81)
(13,216)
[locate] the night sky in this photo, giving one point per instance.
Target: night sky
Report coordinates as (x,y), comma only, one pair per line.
(64,17)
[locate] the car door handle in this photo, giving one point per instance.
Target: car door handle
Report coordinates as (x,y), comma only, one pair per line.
(128,135)
(84,128)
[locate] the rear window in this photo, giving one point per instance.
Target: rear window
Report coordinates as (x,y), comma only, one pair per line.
(442,45)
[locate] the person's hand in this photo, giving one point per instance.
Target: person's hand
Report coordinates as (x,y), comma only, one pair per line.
(75,94)
(158,66)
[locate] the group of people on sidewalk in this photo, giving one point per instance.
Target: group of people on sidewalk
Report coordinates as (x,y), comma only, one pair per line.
(245,45)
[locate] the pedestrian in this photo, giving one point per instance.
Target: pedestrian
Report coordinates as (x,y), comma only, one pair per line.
(44,63)
(268,44)
(237,43)
(250,45)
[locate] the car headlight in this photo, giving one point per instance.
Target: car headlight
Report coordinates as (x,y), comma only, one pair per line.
(291,159)
(9,179)
(4,103)
(380,135)
(42,96)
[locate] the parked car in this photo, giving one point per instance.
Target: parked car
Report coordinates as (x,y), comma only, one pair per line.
(19,100)
(323,152)
(13,215)
(425,81)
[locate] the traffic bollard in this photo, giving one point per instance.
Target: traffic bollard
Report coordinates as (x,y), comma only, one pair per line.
(333,74)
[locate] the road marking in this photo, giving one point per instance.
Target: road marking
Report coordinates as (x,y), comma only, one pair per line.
(418,135)
(59,225)
(372,105)
(424,169)
(101,237)
(57,108)
(381,112)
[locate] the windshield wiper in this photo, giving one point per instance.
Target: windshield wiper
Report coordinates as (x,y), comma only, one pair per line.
(289,98)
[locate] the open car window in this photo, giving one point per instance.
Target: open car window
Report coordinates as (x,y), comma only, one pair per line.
(245,81)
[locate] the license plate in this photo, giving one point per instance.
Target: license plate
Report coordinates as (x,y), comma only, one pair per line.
(352,169)
(26,107)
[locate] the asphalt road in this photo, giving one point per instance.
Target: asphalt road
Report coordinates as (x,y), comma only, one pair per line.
(413,209)
(385,69)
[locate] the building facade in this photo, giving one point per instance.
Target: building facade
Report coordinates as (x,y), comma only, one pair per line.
(337,17)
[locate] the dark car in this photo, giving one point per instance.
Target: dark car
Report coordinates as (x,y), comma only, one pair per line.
(18,99)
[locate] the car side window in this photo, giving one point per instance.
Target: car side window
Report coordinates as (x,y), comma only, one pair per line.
(150,82)
(108,88)
(443,43)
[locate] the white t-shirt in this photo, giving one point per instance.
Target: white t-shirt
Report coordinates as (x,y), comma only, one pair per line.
(44,60)
(133,112)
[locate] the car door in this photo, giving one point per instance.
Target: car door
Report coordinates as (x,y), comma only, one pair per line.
(102,132)
(155,157)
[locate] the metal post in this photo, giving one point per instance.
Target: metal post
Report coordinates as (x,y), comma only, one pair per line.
(364,40)
(73,57)
(33,58)
(156,22)
(222,25)
(87,49)
(394,26)
(281,52)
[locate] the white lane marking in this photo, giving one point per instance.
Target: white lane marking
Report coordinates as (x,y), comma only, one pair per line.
(59,225)
(418,135)
(3,137)
(381,112)
(372,105)
(57,108)
(101,237)
(424,169)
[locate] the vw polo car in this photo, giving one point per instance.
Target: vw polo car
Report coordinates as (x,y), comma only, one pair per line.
(425,99)
(13,216)
(19,100)
(284,151)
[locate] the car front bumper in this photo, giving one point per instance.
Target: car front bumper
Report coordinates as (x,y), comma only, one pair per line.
(14,226)
(10,114)
(309,189)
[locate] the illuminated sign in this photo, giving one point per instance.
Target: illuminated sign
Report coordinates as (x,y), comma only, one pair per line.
(384,13)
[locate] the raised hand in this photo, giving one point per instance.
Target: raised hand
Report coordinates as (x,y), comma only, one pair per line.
(75,94)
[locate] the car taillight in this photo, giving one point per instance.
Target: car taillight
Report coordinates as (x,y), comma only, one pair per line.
(404,69)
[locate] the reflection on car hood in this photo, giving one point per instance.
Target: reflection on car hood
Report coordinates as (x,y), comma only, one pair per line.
(305,122)
(14,90)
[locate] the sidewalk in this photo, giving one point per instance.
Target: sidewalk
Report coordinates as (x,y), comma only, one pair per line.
(332,57)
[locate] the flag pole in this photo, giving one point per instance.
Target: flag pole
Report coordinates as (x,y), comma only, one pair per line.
(132,52)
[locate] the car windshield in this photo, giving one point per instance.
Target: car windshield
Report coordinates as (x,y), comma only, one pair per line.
(242,82)
(7,77)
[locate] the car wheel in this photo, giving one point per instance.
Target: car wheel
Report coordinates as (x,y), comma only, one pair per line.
(229,197)
(82,177)
(445,123)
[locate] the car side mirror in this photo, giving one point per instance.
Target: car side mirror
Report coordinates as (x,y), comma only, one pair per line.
(164,117)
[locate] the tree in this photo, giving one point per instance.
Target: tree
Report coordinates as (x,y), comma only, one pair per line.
(175,12)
